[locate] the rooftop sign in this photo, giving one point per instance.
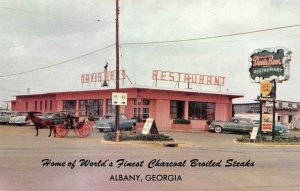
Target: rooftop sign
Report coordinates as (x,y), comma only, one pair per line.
(102,76)
(188,78)
(270,64)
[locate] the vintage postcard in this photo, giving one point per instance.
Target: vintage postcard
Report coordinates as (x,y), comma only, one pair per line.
(129,95)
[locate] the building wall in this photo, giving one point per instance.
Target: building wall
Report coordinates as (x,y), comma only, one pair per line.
(159,106)
(286,115)
(34,103)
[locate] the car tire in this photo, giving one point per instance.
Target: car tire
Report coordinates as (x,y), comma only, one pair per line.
(218,129)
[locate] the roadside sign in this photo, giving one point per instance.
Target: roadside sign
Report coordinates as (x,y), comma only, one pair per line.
(119,98)
(254,133)
(150,127)
(265,99)
(267,122)
(265,88)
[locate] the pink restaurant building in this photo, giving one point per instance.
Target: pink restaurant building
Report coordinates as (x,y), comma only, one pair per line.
(162,104)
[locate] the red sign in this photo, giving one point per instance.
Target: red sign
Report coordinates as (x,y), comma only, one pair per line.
(101,76)
(188,78)
(267,122)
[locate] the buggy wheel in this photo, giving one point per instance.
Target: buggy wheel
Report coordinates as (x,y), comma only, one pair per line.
(61,130)
(83,130)
(218,129)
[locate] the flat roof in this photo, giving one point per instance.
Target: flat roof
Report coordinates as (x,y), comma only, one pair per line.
(235,95)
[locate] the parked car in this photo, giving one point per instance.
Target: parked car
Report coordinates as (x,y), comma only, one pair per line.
(279,128)
(61,114)
(4,118)
(47,115)
(19,119)
(107,123)
(242,125)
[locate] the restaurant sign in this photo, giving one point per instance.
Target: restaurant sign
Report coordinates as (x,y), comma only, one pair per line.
(101,76)
(270,64)
(188,78)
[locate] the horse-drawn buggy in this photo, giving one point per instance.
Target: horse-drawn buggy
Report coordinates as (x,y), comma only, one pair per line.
(61,123)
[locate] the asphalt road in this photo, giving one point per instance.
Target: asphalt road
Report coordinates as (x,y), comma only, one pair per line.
(258,167)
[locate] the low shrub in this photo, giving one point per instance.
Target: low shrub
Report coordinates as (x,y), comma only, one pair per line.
(181,121)
(268,139)
(127,136)
(244,138)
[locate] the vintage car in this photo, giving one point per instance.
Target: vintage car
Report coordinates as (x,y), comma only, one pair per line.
(19,119)
(4,117)
(56,115)
(241,125)
(107,123)
(7,115)
(279,128)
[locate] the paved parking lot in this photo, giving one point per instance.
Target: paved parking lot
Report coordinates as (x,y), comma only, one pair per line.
(22,153)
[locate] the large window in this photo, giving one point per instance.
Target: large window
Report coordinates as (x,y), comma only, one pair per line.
(176,109)
(69,105)
(137,112)
(109,107)
(201,110)
(145,113)
(91,107)
(141,109)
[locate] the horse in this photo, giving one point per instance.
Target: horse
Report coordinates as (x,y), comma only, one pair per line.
(39,123)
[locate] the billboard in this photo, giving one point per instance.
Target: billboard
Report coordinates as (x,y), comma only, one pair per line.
(270,64)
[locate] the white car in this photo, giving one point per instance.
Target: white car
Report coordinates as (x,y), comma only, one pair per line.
(19,119)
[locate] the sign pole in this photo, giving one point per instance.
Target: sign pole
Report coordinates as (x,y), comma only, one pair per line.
(260,117)
(117,120)
(274,107)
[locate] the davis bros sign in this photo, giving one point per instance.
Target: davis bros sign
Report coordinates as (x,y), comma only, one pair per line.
(270,64)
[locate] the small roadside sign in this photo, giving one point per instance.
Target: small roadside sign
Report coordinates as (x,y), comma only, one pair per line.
(119,98)
(254,133)
(150,127)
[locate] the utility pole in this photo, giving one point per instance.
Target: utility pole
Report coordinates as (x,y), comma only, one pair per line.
(117,120)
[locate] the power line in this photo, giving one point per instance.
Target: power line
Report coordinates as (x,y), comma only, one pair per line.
(60,63)
(153,42)
(49,14)
(209,37)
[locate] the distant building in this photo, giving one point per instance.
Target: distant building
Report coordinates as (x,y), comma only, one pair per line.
(287,112)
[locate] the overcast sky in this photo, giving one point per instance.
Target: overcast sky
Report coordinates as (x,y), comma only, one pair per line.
(40,33)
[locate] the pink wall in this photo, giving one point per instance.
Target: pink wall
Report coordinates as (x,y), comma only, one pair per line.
(34,102)
(159,103)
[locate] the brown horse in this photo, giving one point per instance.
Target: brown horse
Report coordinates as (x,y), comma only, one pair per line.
(40,123)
